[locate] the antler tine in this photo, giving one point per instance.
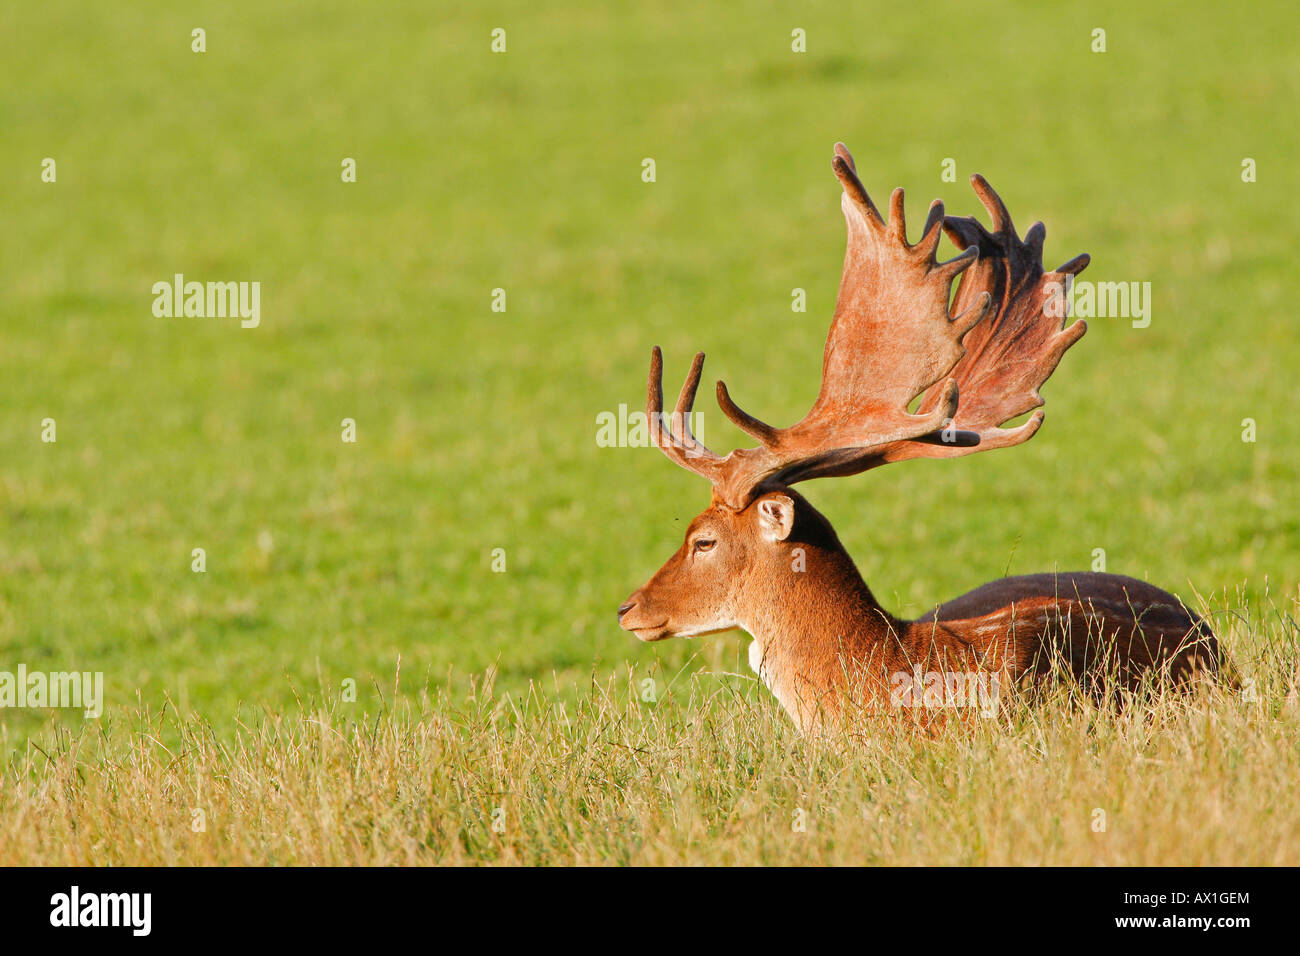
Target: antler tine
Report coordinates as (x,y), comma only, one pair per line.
(970,317)
(685,449)
(654,386)
(959,263)
(1074,266)
(686,403)
(897,219)
(847,173)
(1034,240)
(758,430)
(994,204)
(933,229)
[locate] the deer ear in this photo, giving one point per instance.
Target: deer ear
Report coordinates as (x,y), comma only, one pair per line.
(776,516)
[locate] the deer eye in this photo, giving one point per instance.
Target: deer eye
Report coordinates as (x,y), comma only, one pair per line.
(704,544)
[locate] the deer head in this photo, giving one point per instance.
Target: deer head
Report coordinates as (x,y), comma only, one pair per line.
(703,587)
(975,365)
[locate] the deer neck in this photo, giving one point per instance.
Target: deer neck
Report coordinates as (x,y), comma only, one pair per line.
(810,625)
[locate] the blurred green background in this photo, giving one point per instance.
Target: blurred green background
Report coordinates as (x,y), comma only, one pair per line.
(477,429)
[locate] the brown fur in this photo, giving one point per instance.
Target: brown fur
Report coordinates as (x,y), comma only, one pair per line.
(820,633)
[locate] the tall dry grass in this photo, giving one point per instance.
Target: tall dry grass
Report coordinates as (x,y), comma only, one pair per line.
(710,773)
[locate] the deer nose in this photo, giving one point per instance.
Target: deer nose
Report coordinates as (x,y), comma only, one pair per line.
(625,607)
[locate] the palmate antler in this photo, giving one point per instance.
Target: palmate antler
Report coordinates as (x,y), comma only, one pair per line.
(894,338)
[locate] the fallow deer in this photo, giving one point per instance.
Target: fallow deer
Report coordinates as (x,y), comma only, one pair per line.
(763,559)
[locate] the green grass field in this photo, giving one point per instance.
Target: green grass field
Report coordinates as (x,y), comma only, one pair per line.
(476,429)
